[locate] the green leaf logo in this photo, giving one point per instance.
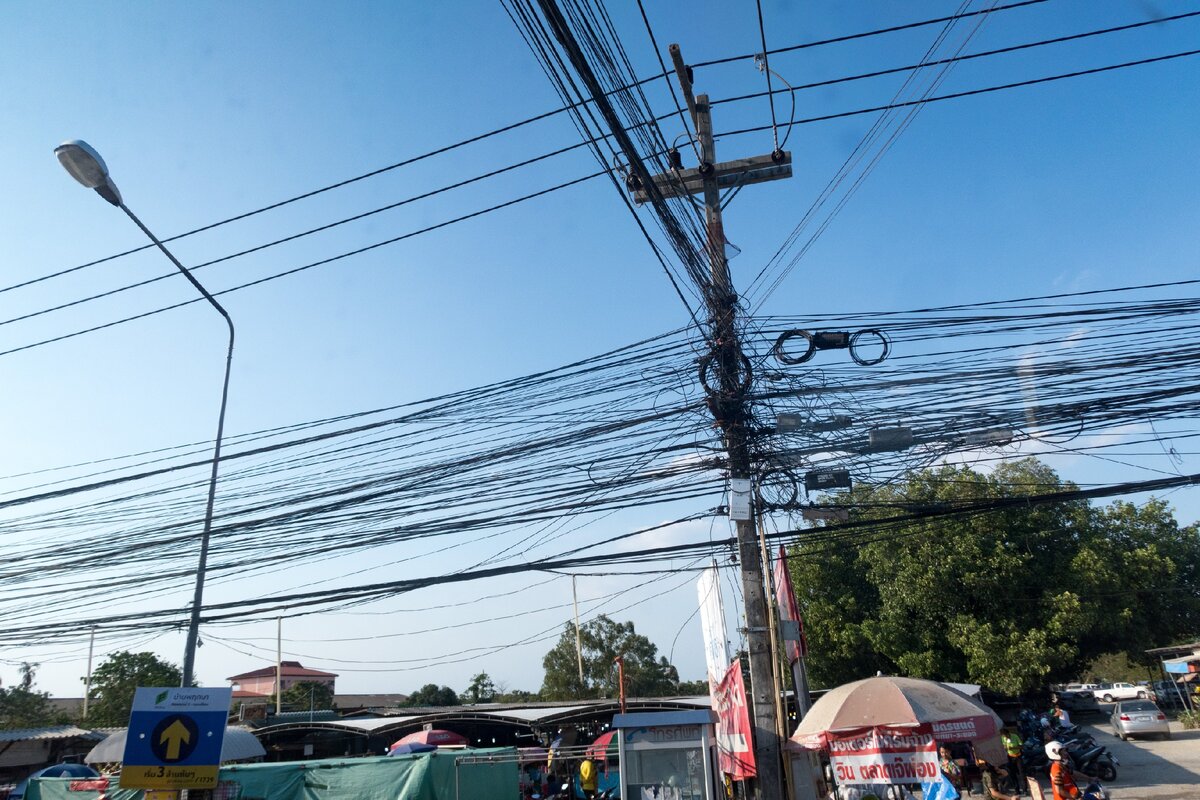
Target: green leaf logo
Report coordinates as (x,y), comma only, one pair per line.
(160,697)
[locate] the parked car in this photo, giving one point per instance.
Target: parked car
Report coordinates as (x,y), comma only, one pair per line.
(1076,702)
(1139,718)
(1121,691)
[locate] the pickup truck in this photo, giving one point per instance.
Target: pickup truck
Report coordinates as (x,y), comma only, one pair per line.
(1121,691)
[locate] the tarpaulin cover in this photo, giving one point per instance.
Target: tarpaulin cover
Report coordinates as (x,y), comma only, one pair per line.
(61,789)
(422,776)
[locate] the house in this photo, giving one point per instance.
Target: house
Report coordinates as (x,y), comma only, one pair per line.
(261,682)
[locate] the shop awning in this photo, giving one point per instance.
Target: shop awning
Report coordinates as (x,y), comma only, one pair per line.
(1181,666)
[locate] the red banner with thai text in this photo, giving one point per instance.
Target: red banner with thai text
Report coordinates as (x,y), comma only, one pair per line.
(735,742)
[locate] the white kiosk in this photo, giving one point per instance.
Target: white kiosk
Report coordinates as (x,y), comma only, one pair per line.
(667,755)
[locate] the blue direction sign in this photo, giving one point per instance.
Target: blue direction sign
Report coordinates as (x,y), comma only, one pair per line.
(175,738)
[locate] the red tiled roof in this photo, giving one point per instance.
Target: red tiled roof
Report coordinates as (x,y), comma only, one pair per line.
(289,669)
(242,694)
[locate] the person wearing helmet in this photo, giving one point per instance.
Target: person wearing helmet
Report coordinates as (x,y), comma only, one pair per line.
(1062,779)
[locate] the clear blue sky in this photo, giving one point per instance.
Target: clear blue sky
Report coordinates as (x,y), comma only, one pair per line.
(205,110)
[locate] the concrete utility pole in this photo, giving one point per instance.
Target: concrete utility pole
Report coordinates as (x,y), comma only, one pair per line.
(727,401)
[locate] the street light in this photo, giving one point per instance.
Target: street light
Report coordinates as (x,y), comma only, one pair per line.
(87,167)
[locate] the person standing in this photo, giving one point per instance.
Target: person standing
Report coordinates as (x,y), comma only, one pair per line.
(951,769)
(1012,749)
(588,779)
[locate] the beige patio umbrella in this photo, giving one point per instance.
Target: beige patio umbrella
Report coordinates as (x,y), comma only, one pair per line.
(902,702)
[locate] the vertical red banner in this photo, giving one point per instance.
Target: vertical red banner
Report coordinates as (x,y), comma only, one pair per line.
(735,742)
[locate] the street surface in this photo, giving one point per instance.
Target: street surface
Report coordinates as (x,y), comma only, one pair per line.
(1152,769)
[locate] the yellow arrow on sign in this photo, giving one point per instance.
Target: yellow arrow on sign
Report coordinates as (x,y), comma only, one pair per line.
(175,736)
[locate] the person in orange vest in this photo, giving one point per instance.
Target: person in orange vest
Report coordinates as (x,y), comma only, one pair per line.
(1062,778)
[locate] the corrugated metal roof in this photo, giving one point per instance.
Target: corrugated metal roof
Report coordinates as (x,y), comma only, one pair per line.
(49,732)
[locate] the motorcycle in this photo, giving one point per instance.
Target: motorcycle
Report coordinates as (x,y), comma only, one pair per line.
(1086,756)
(1096,761)
(1094,791)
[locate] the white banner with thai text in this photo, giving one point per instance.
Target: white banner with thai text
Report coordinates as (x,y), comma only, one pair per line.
(884,755)
(712,624)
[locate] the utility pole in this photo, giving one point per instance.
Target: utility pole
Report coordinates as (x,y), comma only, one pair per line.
(728,403)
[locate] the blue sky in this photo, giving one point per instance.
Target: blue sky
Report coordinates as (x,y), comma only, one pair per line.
(206,110)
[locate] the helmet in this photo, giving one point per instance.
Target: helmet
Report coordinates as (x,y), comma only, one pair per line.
(1054,751)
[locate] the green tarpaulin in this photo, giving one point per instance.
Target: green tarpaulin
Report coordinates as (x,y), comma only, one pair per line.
(489,774)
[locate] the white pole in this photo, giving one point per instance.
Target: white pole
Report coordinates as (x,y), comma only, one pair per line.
(87,682)
(278,665)
(578,641)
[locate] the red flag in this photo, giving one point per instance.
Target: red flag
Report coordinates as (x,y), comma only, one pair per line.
(786,597)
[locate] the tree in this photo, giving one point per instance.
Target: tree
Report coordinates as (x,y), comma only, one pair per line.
(602,640)
(689,688)
(22,707)
(1116,667)
(432,695)
(116,678)
(481,690)
(1010,599)
(305,695)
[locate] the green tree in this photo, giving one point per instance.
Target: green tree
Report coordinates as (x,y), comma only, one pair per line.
(433,695)
(517,696)
(116,678)
(646,673)
(303,695)
(688,688)
(1115,667)
(1010,599)
(481,690)
(22,707)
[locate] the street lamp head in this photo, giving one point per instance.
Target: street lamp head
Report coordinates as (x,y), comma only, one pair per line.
(85,165)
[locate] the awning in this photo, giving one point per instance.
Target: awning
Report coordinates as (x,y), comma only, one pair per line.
(1181,666)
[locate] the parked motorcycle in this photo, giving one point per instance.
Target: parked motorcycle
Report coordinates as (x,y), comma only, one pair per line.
(1096,760)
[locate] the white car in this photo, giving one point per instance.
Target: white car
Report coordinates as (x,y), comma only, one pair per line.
(1121,691)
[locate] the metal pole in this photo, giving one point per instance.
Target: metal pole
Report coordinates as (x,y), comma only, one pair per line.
(87,682)
(731,412)
(578,641)
(193,635)
(278,665)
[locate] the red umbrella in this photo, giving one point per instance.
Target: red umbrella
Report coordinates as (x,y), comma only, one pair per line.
(604,747)
(435,737)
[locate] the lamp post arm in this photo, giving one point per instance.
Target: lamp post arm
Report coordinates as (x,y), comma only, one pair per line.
(193,634)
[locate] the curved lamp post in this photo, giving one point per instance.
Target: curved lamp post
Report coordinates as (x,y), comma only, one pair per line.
(87,167)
